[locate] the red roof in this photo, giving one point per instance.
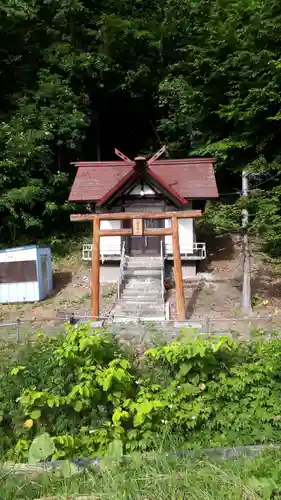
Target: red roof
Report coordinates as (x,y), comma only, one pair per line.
(129,177)
(189,178)
(170,190)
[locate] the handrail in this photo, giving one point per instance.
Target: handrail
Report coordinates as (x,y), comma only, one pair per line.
(122,265)
(162,268)
(197,252)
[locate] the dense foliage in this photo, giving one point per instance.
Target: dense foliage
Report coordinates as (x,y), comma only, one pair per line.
(87,392)
(79,78)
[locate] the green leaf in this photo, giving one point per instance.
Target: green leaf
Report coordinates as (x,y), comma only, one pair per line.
(78,406)
(25,399)
(185,368)
(115,450)
(194,379)
(35,415)
(17,369)
(107,382)
(41,448)
(67,469)
(124,364)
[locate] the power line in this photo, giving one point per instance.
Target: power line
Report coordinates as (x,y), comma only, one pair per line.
(231,194)
(239,191)
(266,180)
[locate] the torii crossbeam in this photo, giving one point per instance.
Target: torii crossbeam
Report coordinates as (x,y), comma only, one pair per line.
(137,230)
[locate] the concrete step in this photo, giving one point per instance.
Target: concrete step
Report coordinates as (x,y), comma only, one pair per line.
(139,310)
(141,292)
(142,286)
(144,272)
(143,259)
(126,317)
(144,289)
(143,313)
(142,283)
(142,267)
(150,294)
(141,295)
(136,307)
(138,303)
(149,289)
(143,280)
(135,320)
(144,262)
(134,302)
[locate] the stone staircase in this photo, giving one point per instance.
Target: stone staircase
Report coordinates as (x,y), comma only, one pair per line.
(141,290)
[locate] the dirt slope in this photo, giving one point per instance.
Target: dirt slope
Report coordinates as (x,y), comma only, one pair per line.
(218,295)
(71,295)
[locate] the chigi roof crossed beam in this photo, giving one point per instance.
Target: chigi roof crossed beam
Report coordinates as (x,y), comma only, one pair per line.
(181,180)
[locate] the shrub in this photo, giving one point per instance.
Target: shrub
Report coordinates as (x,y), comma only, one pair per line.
(86,392)
(67,387)
(217,392)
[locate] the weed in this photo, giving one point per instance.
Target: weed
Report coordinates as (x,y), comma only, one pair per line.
(108,291)
(86,391)
(158,477)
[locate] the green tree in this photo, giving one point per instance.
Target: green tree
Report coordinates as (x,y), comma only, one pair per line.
(79,78)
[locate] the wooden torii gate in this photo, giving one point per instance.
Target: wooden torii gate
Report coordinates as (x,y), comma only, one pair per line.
(137,229)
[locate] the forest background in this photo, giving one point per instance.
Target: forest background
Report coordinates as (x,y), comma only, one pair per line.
(79,78)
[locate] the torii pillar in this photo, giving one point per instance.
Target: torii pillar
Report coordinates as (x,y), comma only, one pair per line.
(137,230)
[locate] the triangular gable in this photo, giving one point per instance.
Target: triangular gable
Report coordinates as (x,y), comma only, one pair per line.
(128,179)
(138,188)
(147,176)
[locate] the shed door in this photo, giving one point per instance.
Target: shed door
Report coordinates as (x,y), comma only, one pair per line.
(44,275)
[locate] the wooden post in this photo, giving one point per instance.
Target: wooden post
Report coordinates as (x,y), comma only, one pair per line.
(96,269)
(178,270)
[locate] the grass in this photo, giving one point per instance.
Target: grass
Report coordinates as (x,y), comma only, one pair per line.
(158,477)
(27,333)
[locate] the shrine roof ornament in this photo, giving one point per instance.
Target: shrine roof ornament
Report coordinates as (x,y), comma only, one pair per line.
(180,180)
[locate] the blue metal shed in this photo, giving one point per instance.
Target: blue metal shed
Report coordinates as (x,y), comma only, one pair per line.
(25,274)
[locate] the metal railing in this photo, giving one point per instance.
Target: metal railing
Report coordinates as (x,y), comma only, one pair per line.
(87,251)
(122,267)
(197,252)
(245,328)
(110,252)
(12,328)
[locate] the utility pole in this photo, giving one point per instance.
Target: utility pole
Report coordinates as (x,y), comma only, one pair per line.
(246,289)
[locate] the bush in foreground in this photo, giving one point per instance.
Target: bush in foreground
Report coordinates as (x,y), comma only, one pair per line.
(86,391)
